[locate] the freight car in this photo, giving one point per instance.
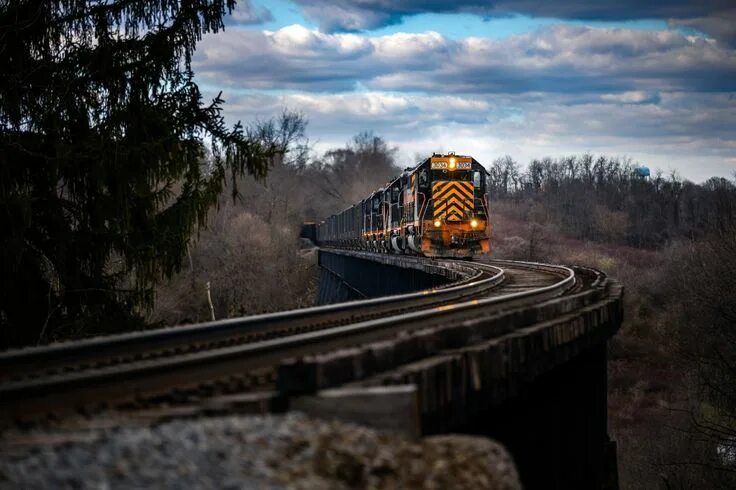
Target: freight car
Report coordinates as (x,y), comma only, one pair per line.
(437,209)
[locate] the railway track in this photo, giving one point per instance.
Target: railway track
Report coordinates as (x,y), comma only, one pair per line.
(112,350)
(244,354)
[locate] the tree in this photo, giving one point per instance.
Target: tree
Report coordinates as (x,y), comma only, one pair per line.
(356,170)
(503,172)
(707,289)
(109,159)
(250,252)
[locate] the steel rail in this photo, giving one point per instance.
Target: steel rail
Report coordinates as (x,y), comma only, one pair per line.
(148,377)
(114,349)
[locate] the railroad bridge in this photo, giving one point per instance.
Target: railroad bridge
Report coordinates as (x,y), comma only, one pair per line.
(530,373)
(511,350)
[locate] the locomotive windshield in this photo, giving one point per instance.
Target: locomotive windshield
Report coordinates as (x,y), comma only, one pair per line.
(473,176)
(465,175)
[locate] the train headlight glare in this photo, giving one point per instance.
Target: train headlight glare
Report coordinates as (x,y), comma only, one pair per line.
(474,223)
(452,163)
(437,223)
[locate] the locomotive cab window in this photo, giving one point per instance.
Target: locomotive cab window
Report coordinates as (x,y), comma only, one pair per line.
(476,179)
(423,179)
(462,175)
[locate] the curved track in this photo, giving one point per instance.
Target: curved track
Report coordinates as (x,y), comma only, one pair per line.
(233,355)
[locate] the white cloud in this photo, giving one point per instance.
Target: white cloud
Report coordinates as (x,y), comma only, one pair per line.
(631,97)
(666,99)
(691,133)
(556,59)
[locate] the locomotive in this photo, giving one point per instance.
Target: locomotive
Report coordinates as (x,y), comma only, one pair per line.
(438,208)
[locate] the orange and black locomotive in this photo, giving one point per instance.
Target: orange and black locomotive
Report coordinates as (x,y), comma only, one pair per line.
(438,209)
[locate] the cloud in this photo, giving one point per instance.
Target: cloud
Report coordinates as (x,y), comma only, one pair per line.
(556,59)
(721,26)
(662,97)
(247,14)
(691,132)
(355,15)
(633,97)
(352,112)
(291,58)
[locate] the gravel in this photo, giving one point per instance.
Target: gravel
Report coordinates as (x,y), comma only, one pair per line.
(264,452)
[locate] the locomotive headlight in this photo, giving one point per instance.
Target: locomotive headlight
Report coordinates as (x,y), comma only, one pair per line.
(474,223)
(453,164)
(437,223)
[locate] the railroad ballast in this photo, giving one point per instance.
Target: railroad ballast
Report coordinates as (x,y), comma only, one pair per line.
(438,208)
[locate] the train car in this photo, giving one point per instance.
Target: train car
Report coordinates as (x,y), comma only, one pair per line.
(438,208)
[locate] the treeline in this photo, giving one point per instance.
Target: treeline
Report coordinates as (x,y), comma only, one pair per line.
(606,199)
(250,254)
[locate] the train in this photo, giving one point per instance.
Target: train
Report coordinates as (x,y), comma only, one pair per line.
(439,208)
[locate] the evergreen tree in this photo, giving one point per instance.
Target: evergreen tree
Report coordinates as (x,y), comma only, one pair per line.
(109,159)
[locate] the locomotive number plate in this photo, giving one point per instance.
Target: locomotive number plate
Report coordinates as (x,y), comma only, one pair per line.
(443,165)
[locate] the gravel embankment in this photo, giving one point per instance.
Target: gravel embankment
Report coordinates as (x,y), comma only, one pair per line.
(263,452)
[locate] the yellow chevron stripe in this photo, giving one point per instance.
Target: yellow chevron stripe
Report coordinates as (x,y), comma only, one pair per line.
(455,209)
(454,195)
(467,191)
(439,187)
(460,183)
(453,201)
(440,183)
(453,198)
(452,210)
(459,187)
(442,186)
(454,217)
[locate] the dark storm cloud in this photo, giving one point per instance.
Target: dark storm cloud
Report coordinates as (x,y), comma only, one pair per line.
(711,16)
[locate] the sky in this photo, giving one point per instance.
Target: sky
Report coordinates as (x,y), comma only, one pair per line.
(652,81)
